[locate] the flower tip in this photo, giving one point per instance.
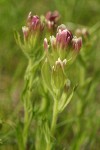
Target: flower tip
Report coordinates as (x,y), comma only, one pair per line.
(46,44)
(25,31)
(77,43)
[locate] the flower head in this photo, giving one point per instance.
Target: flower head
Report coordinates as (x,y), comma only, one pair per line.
(46,46)
(31,35)
(58,75)
(34,22)
(64,46)
(63,38)
(52,18)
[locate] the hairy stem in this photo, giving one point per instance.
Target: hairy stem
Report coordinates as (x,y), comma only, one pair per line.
(55,114)
(27,104)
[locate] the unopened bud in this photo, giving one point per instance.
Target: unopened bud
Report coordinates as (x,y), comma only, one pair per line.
(25,31)
(52,16)
(34,22)
(77,43)
(58,75)
(63,38)
(46,46)
(51,19)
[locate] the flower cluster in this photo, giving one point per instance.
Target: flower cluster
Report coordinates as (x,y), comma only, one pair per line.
(34,24)
(64,41)
(34,31)
(59,51)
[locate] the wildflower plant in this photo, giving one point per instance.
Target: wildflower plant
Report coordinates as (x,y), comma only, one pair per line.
(60,52)
(53,61)
(31,46)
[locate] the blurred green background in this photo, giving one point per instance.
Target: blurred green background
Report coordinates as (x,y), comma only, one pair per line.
(13,15)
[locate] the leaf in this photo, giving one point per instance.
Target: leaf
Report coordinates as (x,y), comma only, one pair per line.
(68,100)
(46,75)
(62,101)
(19,42)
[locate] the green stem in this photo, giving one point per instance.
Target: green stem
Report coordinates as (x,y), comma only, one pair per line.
(48,146)
(38,138)
(27,104)
(54,120)
(55,114)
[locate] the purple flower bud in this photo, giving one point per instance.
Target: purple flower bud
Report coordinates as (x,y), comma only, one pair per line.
(77,43)
(46,46)
(25,31)
(34,22)
(51,19)
(52,16)
(63,38)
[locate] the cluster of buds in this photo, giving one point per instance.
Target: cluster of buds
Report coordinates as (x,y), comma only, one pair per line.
(57,52)
(36,23)
(64,41)
(33,24)
(33,32)
(52,19)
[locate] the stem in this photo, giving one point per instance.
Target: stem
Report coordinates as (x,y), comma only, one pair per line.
(38,138)
(27,104)
(54,120)
(48,146)
(55,114)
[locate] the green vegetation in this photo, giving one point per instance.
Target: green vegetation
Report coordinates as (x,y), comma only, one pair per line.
(78,126)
